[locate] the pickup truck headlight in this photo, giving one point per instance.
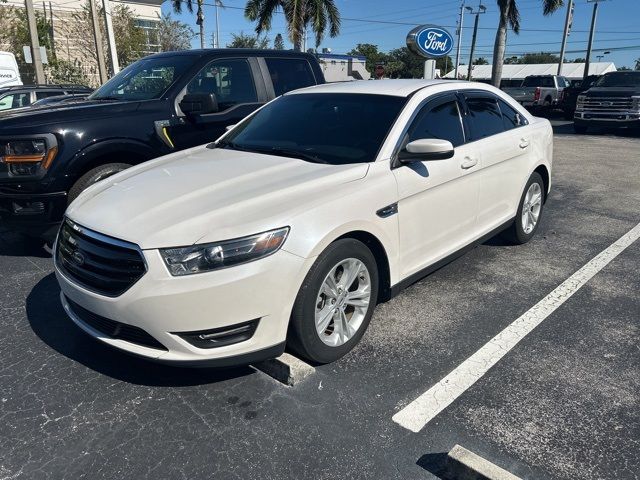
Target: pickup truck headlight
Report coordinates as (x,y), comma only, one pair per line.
(213,256)
(580,102)
(24,155)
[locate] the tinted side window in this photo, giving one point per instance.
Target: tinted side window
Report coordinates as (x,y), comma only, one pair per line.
(230,80)
(15,100)
(484,117)
(40,95)
(289,74)
(510,117)
(442,121)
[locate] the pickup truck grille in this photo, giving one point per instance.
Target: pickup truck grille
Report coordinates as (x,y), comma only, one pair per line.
(606,104)
(96,262)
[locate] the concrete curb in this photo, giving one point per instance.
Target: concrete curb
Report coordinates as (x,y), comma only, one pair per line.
(286,369)
(462,464)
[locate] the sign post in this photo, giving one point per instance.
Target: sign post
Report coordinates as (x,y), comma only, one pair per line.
(430,42)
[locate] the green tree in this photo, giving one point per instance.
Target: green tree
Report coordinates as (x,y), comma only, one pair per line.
(177,8)
(371,53)
(65,71)
(535,58)
(247,41)
(480,61)
(278,43)
(300,15)
(173,34)
(510,17)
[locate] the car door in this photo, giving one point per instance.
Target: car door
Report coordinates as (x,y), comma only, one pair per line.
(239,90)
(500,132)
(437,199)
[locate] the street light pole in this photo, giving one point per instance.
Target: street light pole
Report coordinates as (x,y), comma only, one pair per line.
(97,36)
(481,9)
(111,41)
(567,27)
(459,37)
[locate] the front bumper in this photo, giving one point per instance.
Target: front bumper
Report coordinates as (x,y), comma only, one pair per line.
(164,306)
(607,119)
(37,214)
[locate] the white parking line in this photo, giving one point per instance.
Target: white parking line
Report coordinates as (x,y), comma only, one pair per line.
(424,408)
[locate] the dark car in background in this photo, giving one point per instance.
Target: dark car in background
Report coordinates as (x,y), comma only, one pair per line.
(21,96)
(612,101)
(570,94)
(160,104)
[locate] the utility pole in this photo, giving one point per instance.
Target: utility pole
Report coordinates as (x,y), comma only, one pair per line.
(200,22)
(35,43)
(111,41)
(591,32)
(459,37)
(481,9)
(97,36)
(567,29)
(217,42)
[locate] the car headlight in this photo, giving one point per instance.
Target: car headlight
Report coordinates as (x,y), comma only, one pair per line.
(25,154)
(581,100)
(212,256)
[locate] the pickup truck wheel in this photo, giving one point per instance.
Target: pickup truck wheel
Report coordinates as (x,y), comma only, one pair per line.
(580,129)
(529,211)
(335,302)
(94,176)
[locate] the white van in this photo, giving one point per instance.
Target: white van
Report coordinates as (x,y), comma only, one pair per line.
(9,74)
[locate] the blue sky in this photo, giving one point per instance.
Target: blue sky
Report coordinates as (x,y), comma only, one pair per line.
(617,26)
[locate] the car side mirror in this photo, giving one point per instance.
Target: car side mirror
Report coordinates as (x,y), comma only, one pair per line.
(426,149)
(193,104)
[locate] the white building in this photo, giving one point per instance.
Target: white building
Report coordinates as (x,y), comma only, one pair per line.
(77,45)
(519,72)
(338,68)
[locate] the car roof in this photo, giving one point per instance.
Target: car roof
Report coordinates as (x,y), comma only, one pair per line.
(248,52)
(397,88)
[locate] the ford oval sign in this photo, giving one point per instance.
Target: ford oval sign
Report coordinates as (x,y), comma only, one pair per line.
(430,41)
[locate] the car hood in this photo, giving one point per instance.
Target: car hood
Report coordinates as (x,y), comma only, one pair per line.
(202,195)
(54,114)
(612,91)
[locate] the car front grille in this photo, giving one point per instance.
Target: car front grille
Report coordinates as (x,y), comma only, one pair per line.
(96,262)
(113,329)
(606,104)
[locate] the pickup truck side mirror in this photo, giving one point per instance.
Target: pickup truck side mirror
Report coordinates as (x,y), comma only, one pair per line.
(199,104)
(426,149)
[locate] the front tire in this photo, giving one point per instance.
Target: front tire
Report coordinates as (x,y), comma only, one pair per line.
(94,176)
(529,211)
(335,302)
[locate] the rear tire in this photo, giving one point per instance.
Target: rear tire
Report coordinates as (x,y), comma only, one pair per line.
(93,176)
(330,313)
(529,211)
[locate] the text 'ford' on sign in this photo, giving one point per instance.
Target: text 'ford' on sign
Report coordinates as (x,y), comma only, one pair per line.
(430,41)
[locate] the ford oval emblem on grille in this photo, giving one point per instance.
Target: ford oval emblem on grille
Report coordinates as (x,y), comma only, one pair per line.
(78,258)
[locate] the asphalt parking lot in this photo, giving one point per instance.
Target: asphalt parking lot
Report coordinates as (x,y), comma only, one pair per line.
(562,404)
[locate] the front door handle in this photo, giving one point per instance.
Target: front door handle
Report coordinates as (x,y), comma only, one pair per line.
(524,143)
(468,162)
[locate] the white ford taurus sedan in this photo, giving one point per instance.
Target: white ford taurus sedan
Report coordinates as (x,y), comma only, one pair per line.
(291,227)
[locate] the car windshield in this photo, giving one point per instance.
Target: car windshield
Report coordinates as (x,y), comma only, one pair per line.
(619,79)
(143,80)
(334,128)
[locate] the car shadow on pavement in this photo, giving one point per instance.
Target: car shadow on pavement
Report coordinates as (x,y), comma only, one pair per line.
(52,325)
(434,463)
(16,245)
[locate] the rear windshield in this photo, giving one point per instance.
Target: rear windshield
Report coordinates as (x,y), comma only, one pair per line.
(538,82)
(619,79)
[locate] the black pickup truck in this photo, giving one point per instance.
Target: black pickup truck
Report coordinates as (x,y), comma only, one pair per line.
(159,104)
(612,101)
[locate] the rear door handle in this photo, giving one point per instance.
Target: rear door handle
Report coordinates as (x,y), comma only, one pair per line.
(524,143)
(468,162)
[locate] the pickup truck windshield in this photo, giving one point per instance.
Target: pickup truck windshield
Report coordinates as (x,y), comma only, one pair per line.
(619,79)
(143,80)
(334,128)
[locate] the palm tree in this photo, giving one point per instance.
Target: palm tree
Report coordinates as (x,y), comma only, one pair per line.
(177,7)
(299,14)
(509,16)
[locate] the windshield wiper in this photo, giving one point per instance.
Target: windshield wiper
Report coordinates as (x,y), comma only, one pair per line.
(289,152)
